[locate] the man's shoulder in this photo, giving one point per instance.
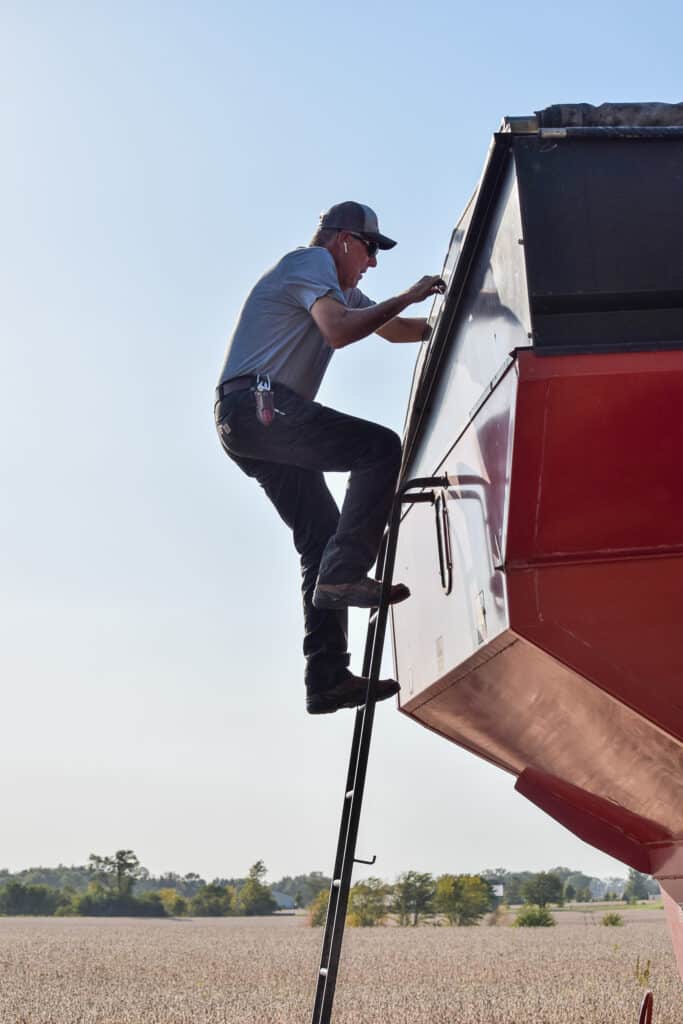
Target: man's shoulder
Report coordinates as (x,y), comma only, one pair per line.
(314,256)
(299,278)
(300,264)
(308,267)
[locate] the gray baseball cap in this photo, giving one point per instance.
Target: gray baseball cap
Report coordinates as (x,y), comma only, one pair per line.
(357,218)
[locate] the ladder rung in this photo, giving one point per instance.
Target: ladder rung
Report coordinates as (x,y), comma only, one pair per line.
(413,499)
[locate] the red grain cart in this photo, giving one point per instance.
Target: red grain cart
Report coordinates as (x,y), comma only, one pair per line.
(545,630)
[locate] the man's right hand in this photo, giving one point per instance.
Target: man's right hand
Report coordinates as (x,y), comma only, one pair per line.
(425,287)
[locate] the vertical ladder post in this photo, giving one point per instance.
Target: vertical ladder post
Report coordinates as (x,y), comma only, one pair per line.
(358,760)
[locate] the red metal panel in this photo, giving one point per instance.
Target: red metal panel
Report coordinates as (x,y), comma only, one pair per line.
(602,823)
(598,464)
(595,538)
(616,623)
(515,705)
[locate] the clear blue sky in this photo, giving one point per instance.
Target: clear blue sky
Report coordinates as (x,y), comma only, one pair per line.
(156,158)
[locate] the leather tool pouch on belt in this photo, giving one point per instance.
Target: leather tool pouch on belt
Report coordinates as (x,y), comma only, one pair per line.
(265,401)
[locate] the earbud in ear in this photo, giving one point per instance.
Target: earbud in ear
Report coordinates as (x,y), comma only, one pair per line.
(346,248)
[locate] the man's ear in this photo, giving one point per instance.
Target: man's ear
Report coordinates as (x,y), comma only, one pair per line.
(340,243)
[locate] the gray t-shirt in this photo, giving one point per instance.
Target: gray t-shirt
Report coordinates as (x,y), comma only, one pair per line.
(275,332)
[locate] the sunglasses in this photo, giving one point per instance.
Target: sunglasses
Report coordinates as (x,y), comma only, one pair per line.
(372,247)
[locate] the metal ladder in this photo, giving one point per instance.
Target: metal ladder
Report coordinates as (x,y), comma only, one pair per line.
(360,749)
(358,761)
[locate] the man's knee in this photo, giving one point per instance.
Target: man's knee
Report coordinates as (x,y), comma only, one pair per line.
(388,448)
(312,536)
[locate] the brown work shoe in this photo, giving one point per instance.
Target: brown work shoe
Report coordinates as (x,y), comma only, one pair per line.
(348,692)
(362,594)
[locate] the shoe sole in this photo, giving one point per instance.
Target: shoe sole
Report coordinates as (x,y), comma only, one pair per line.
(318,707)
(321,705)
(335,602)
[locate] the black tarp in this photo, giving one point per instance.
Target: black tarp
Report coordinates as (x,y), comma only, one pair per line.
(611,115)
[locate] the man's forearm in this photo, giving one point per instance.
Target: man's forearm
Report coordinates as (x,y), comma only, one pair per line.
(404,329)
(341,326)
(355,324)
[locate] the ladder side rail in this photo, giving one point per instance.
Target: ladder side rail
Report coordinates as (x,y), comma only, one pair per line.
(333,907)
(367,714)
(348,835)
(336,912)
(360,749)
(373,641)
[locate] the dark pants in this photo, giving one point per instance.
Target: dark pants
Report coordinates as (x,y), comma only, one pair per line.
(288,459)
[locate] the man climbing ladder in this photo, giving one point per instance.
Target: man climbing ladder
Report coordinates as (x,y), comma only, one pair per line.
(298,313)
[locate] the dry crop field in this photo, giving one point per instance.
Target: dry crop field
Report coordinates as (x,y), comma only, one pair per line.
(262,971)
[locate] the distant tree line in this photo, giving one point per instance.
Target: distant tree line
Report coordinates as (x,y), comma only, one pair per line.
(107,889)
(118,885)
(463,899)
(562,884)
(301,889)
(413,898)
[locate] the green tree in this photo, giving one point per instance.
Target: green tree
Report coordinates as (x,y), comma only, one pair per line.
(411,897)
(254,897)
(569,892)
(55,878)
(118,873)
(636,886)
(213,901)
(99,901)
(463,899)
(542,889)
(173,903)
(37,900)
(317,911)
(367,903)
(512,885)
(148,905)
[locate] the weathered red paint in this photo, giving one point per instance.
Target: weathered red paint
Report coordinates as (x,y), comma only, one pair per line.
(595,574)
(580,691)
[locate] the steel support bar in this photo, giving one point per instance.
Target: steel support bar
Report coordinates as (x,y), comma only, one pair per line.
(358,760)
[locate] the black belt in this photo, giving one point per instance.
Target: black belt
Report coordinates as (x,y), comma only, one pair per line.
(226,387)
